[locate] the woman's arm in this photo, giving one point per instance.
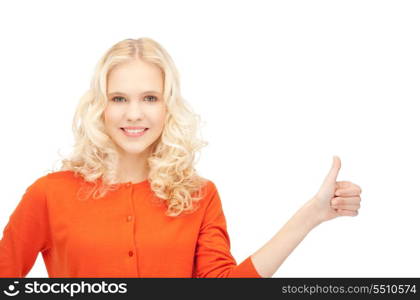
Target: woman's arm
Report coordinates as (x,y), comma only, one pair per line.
(26,234)
(272,255)
(332,200)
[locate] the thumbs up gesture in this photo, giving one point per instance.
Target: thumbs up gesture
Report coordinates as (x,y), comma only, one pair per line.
(336,198)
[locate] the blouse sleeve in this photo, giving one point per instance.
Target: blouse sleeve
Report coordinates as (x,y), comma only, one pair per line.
(26,233)
(212,256)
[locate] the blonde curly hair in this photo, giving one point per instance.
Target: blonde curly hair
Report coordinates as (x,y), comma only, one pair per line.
(172,175)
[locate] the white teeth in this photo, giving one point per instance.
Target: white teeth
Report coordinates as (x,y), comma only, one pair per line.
(134,131)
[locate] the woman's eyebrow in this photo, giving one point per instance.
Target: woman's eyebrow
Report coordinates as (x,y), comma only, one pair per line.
(121,93)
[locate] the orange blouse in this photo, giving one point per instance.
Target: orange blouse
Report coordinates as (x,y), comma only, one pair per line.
(124,234)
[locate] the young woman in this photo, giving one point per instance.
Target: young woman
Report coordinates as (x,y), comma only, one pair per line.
(128,202)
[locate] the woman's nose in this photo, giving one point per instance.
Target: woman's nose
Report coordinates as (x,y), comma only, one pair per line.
(135,110)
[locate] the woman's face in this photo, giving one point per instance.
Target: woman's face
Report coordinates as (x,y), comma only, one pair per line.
(135,98)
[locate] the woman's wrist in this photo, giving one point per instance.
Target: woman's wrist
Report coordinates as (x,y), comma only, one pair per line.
(311,213)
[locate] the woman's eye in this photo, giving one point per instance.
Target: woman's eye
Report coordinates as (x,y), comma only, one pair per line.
(113,99)
(152,97)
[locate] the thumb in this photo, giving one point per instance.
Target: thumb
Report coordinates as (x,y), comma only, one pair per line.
(333,173)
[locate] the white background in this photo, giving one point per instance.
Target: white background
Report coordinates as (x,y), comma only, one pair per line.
(281,86)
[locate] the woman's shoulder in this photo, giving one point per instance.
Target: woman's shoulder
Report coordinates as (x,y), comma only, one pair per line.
(207,185)
(40,186)
(61,174)
(208,191)
(55,183)
(56,178)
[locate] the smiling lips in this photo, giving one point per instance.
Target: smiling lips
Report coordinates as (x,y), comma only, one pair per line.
(134,131)
(133,127)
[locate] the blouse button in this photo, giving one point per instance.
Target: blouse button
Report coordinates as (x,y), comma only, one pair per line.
(129,218)
(130,253)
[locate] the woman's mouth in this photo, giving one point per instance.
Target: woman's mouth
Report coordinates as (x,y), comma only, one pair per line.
(134,133)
